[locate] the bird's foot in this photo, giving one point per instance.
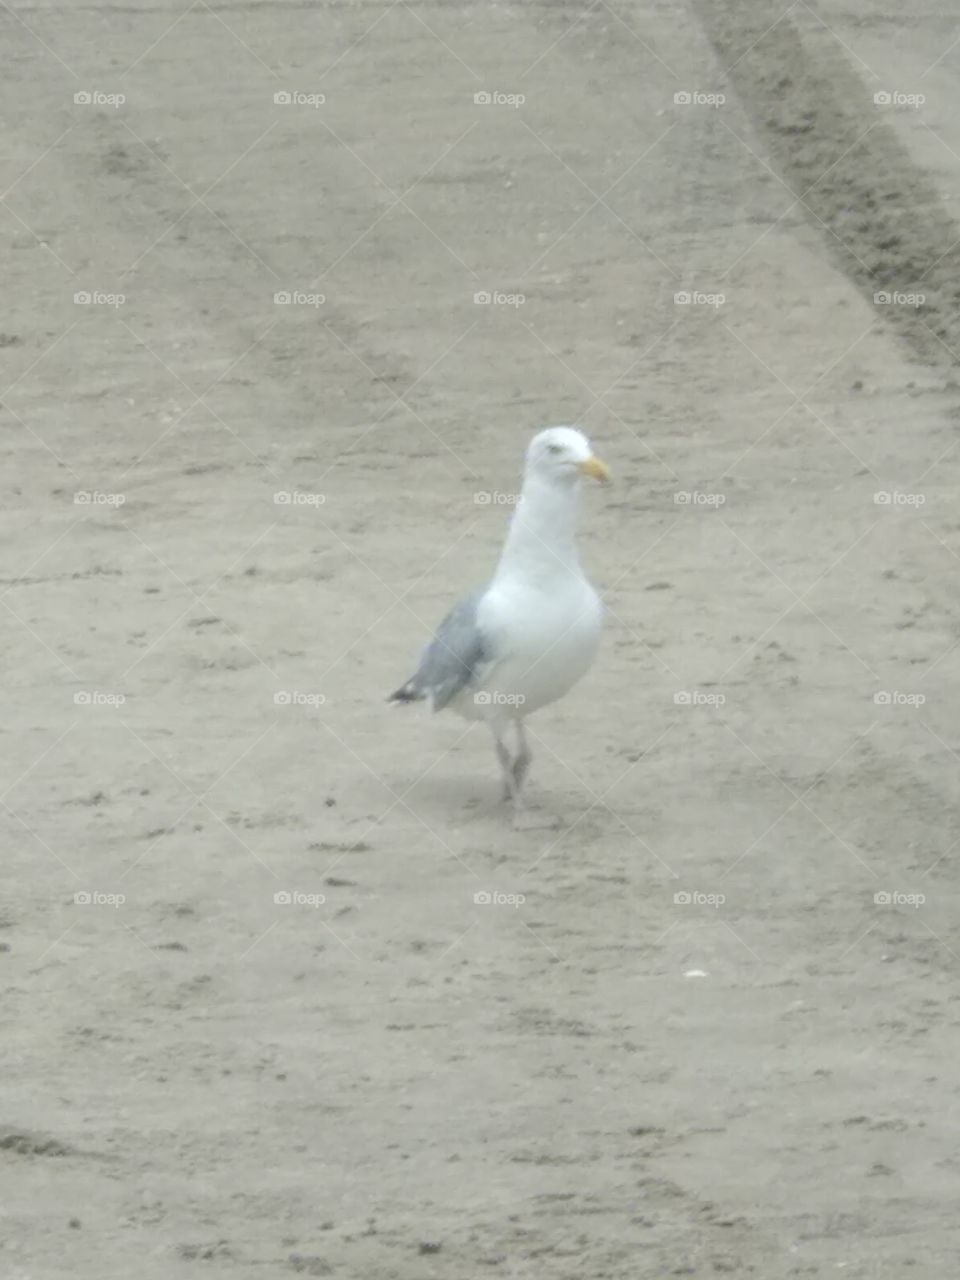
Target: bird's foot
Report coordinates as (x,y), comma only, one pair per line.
(524,820)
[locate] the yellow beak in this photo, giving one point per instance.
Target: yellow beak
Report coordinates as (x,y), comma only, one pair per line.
(596,469)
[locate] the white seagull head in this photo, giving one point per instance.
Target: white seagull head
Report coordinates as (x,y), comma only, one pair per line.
(563,454)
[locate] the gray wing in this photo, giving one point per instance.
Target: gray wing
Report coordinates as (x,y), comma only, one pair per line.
(452,658)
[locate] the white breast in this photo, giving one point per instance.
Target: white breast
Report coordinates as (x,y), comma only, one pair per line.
(544,641)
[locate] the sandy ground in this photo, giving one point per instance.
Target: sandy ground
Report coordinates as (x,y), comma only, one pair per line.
(719,1033)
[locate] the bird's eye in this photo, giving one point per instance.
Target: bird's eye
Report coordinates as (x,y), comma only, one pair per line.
(554,448)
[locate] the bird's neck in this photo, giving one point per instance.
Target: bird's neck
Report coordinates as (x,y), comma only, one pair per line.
(543,532)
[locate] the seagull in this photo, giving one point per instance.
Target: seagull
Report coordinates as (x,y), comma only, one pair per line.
(526,638)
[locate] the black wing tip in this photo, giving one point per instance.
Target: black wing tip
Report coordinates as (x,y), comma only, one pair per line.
(407,693)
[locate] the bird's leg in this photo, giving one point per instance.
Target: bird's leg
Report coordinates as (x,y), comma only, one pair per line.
(518,772)
(510,789)
(521,762)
